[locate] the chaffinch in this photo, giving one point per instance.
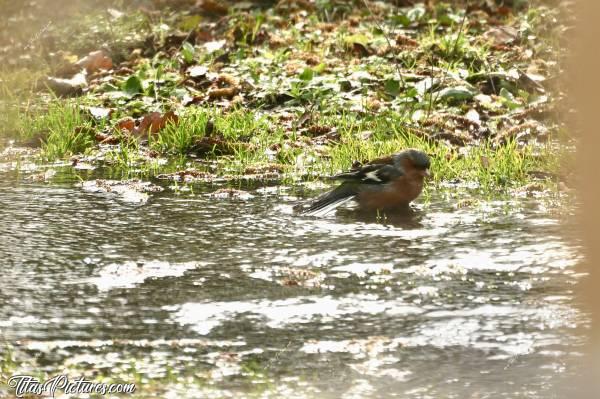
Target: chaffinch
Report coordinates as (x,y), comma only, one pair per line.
(384,184)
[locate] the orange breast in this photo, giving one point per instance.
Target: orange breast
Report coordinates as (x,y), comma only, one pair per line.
(397,195)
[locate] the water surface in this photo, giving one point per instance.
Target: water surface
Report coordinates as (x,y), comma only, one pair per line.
(216,297)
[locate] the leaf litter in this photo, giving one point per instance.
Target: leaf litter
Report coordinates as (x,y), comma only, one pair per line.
(460,76)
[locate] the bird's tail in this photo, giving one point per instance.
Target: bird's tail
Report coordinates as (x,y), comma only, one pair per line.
(331,199)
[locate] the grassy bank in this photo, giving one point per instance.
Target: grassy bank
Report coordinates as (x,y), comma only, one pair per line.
(251,91)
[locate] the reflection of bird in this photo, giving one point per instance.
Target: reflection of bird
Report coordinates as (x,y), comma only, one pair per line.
(383,184)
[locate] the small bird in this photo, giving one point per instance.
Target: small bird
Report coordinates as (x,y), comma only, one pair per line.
(384,184)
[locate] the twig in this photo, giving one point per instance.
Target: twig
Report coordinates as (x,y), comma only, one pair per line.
(462,24)
(430,105)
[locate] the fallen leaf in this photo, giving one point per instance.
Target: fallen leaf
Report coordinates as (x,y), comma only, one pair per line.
(227,87)
(197,71)
(155,121)
(127,124)
(67,87)
(226,92)
(360,50)
(99,112)
(455,94)
(104,138)
(213,46)
(133,85)
(426,85)
(212,7)
(402,40)
(501,35)
(473,116)
(95,61)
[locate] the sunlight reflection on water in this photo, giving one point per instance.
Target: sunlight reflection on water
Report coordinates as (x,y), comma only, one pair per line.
(312,307)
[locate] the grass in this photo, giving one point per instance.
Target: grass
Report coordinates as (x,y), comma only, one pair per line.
(61,127)
(256,133)
(16,94)
(492,167)
(179,139)
(66,131)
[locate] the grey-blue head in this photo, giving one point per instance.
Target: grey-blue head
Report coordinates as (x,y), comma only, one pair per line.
(413,159)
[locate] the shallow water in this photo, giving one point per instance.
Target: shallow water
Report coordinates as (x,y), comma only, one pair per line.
(225,297)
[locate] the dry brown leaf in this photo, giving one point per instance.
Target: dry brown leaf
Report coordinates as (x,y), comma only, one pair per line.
(501,35)
(360,50)
(226,92)
(310,59)
(227,87)
(212,7)
(155,121)
(95,61)
(402,40)
(228,79)
(127,124)
(104,138)
(454,138)
(276,41)
(316,129)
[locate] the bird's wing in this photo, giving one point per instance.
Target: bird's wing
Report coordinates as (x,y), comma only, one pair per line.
(387,160)
(371,174)
(332,199)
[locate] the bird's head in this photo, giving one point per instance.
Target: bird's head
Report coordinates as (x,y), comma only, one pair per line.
(413,160)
